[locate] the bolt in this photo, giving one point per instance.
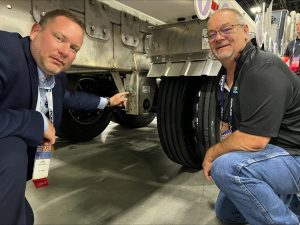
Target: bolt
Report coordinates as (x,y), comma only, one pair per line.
(92,28)
(105,7)
(9,6)
(92,2)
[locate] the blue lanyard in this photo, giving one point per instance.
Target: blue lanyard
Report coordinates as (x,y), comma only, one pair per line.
(230,97)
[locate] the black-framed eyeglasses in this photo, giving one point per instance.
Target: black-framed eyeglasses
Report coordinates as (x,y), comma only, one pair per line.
(223,31)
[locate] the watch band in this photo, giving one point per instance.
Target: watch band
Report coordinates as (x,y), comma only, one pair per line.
(108,101)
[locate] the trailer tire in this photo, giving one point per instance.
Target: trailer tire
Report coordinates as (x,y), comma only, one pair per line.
(183,120)
(133,121)
(80,126)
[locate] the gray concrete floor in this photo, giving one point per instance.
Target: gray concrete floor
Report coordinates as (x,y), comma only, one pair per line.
(121,177)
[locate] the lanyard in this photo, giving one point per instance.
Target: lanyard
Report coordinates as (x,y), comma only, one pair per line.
(50,104)
(43,152)
(230,97)
(294,48)
(49,100)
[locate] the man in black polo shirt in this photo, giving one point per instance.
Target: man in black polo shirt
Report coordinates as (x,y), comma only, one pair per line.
(256,165)
(292,52)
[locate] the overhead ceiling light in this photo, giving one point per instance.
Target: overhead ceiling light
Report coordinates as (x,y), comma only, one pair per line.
(255,9)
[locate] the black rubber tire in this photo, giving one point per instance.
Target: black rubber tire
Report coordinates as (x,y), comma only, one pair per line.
(79,125)
(133,121)
(207,132)
(184,122)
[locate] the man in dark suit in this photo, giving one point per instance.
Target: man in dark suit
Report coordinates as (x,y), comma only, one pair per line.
(29,68)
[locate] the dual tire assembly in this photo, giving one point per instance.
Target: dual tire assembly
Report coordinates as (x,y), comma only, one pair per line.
(186,117)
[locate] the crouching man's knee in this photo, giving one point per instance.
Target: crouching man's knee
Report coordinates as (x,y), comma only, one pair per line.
(13,158)
(223,168)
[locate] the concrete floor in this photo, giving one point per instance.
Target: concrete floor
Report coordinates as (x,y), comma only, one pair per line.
(121,177)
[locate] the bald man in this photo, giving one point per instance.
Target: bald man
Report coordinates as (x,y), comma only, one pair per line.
(292,52)
(256,164)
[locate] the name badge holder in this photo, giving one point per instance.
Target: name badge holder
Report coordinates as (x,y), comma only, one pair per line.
(294,64)
(43,153)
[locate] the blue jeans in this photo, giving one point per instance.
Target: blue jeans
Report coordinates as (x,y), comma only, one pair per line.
(258,187)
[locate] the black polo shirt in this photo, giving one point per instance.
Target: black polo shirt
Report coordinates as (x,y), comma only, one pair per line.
(289,50)
(268,99)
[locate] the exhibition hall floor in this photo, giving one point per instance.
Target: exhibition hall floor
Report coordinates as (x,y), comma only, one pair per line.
(121,177)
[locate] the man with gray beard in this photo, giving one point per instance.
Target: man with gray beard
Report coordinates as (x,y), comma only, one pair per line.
(256,164)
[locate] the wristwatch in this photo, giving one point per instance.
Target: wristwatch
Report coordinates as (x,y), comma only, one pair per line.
(108,102)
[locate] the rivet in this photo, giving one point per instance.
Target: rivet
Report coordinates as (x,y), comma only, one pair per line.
(105,7)
(93,28)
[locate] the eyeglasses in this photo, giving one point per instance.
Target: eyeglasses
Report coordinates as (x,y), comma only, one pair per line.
(223,31)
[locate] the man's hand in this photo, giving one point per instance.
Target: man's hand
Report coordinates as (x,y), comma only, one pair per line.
(207,163)
(119,99)
(237,141)
(49,135)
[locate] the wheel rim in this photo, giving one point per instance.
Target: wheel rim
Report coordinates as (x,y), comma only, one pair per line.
(84,117)
(86,84)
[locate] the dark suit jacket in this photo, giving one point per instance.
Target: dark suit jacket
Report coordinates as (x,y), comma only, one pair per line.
(19,90)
